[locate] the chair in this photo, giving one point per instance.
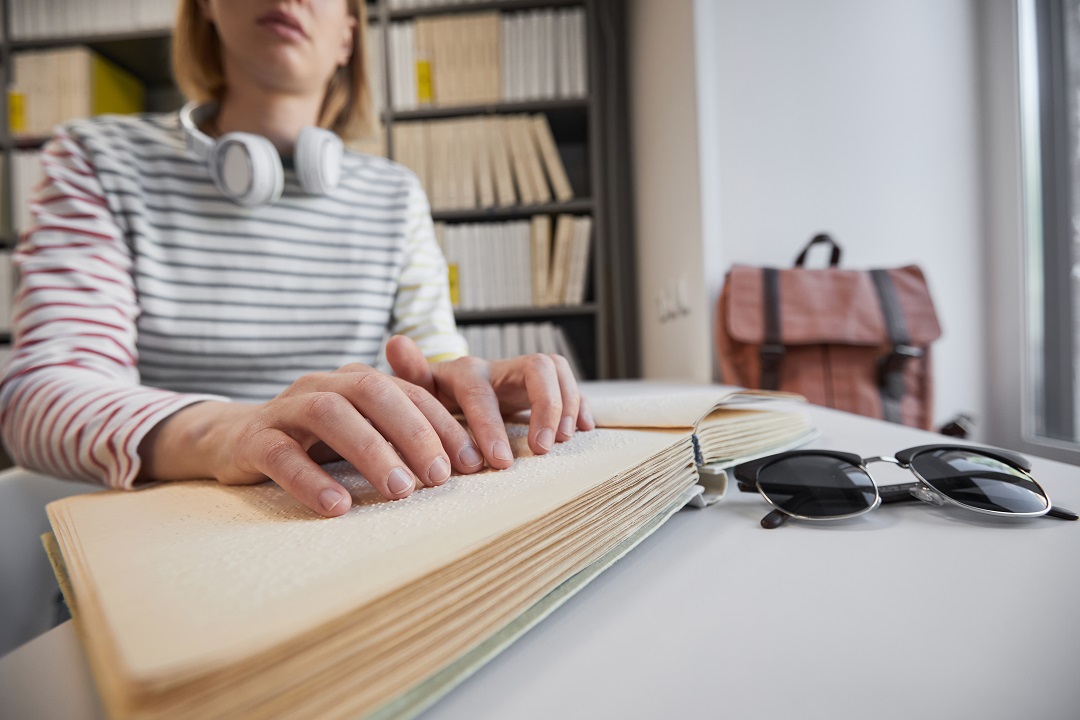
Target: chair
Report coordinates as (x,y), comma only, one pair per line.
(28,588)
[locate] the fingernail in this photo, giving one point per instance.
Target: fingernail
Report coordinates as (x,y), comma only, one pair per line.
(399,481)
(330,499)
(588,418)
(439,471)
(545,438)
(501,451)
(470,457)
(566,427)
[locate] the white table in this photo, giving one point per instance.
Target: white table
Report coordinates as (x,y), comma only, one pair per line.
(907,612)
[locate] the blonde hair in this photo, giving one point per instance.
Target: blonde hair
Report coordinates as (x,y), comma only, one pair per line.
(197,67)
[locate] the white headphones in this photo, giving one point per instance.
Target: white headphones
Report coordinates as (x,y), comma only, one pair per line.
(247,169)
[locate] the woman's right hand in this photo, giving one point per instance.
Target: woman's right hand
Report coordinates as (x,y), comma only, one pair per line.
(354,413)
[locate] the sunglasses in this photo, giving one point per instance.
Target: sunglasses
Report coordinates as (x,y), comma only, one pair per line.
(830,485)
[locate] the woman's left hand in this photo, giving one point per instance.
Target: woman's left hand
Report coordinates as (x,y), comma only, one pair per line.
(485,391)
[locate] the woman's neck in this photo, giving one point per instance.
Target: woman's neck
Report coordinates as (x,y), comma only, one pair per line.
(278,118)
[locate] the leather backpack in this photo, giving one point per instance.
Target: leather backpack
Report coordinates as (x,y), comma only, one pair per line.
(854,340)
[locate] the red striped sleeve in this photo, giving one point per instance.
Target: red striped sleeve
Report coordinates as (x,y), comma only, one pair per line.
(55,198)
(65,271)
(71,402)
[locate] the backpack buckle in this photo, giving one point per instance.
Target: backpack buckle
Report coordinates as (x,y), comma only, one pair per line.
(891,368)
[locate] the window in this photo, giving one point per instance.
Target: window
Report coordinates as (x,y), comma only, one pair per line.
(1048,50)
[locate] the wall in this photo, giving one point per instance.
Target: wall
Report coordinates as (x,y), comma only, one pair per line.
(859,118)
(664,134)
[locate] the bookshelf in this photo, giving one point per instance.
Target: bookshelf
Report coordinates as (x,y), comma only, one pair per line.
(589,130)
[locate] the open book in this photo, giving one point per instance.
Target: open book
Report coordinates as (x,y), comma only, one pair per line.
(196,600)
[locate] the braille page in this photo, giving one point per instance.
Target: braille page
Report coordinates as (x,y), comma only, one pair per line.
(184,577)
(633,404)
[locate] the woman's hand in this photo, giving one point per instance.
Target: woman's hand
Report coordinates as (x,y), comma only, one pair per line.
(485,391)
(355,413)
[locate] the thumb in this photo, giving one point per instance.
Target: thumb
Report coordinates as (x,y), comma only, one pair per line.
(408,362)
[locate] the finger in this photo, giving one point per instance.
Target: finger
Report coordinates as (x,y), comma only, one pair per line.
(545,401)
(464,455)
(473,392)
(409,363)
(283,460)
(335,421)
(390,411)
(585,419)
(571,399)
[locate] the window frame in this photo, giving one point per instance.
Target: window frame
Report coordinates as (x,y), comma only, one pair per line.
(1029,185)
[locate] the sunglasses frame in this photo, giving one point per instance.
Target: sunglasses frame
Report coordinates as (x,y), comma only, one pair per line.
(748,477)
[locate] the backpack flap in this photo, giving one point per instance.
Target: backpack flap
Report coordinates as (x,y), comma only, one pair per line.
(827,307)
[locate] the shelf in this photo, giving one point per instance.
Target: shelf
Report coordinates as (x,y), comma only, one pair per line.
(499,108)
(95,39)
(480,6)
(515,212)
(25,143)
(527,313)
(143,53)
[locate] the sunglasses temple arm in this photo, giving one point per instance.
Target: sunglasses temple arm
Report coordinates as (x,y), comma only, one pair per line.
(774,519)
(1062,513)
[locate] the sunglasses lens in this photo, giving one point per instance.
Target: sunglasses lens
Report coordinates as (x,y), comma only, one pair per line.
(980,482)
(816,486)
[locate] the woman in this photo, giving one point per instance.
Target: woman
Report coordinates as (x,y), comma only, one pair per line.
(170,298)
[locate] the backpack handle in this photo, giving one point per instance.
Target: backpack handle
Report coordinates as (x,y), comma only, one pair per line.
(834,259)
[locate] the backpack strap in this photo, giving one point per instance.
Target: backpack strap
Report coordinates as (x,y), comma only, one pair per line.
(891,367)
(824,238)
(772,349)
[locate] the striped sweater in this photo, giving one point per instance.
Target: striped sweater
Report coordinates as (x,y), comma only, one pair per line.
(144,290)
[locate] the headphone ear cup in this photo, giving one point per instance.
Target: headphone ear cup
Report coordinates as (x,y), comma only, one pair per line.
(318,160)
(247,169)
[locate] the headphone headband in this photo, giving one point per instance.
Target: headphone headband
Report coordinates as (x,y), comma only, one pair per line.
(191,116)
(247,169)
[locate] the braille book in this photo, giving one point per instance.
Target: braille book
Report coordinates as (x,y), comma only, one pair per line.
(197,600)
